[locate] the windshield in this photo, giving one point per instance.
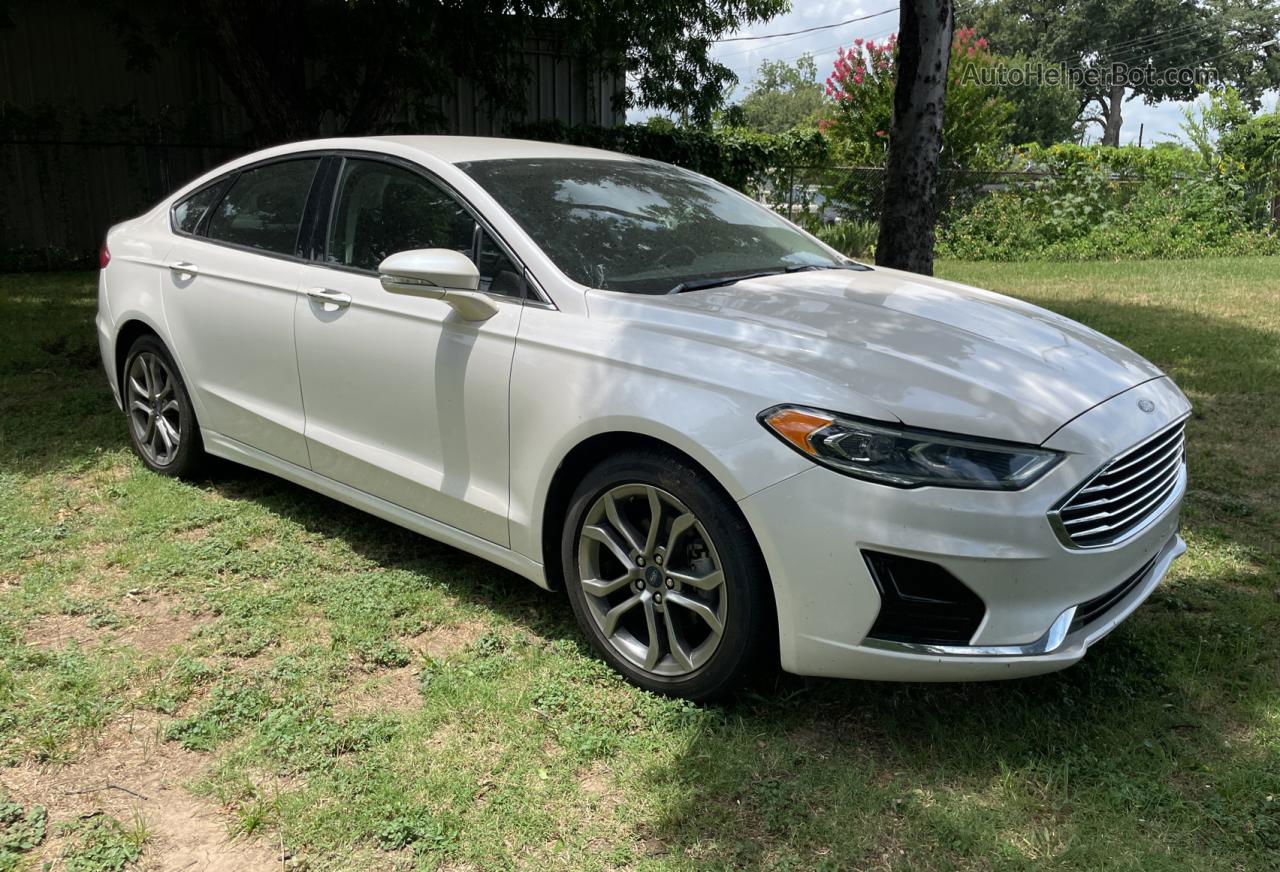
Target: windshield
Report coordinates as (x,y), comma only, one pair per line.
(643,227)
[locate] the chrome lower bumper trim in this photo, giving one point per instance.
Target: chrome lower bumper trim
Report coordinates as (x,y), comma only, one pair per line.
(1057,634)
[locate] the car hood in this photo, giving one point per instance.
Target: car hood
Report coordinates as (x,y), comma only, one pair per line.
(933,353)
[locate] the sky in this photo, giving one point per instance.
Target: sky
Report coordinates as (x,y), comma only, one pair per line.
(1157,123)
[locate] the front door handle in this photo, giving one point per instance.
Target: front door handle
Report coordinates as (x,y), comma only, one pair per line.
(184,268)
(336,299)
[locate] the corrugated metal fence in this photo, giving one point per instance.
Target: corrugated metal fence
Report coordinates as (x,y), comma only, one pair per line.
(86,142)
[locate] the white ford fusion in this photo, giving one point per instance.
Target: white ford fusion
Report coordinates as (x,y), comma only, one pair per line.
(723,439)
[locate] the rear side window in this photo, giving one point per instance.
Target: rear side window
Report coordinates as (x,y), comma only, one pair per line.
(187,214)
(382,209)
(264,207)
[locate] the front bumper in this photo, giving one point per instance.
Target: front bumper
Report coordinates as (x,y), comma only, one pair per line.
(814,527)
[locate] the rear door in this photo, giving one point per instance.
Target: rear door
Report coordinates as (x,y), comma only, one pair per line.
(229,299)
(405,399)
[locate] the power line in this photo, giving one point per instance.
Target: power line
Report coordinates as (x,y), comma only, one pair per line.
(1143,39)
(1136,47)
(746,75)
(807,29)
(1127,58)
(769,47)
(1238,49)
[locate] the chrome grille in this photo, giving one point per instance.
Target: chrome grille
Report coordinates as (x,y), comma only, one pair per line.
(1122,496)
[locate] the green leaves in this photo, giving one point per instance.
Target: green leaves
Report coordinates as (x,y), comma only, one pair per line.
(1090,202)
(100,843)
(738,157)
(20,831)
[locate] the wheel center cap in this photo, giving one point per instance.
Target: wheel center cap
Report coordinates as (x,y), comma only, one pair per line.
(653,577)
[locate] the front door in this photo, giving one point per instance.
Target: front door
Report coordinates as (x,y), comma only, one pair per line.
(404,399)
(229,300)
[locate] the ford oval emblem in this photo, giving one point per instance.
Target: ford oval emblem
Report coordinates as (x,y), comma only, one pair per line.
(1146,405)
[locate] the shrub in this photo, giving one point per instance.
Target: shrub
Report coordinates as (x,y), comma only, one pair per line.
(862,84)
(852,238)
(1110,203)
(740,158)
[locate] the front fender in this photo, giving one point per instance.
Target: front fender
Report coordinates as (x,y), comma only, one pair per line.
(566,389)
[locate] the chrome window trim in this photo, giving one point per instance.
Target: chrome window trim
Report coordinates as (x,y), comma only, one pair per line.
(543,300)
(227,180)
(223,182)
(476,216)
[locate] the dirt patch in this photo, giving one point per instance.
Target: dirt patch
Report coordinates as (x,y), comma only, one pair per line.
(400,689)
(597,782)
(393,691)
(132,772)
(87,492)
(150,624)
(194,534)
(154,624)
(60,631)
(444,641)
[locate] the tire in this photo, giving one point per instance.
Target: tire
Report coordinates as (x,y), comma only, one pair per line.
(700,570)
(163,429)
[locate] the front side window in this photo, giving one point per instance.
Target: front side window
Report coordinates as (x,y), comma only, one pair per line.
(263,209)
(382,208)
(643,227)
(187,214)
(498,273)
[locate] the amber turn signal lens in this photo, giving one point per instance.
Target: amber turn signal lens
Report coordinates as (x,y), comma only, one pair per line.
(796,427)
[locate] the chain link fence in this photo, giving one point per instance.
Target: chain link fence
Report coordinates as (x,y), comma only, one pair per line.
(1083,210)
(826,194)
(817,195)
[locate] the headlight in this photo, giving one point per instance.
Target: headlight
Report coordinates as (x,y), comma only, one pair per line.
(903,457)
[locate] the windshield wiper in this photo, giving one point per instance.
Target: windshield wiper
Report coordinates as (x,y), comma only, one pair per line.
(699,284)
(853,265)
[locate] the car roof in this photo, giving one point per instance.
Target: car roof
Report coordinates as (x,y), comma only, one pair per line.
(459,149)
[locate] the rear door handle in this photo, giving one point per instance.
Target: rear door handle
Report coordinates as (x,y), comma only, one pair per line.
(183,268)
(337,299)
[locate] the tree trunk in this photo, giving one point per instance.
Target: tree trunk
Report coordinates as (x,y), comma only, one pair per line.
(1111,130)
(911,174)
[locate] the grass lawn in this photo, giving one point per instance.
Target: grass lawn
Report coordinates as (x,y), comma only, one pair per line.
(183,664)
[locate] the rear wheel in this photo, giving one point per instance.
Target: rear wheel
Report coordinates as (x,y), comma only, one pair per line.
(162,422)
(664,576)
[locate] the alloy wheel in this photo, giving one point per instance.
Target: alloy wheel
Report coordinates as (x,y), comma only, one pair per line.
(654,584)
(154,412)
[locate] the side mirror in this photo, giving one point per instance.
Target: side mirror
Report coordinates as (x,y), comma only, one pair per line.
(440,274)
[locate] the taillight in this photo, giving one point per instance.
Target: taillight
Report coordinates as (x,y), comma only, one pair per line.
(104,256)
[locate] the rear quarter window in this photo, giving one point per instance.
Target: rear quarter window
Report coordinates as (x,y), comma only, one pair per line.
(188,212)
(263,208)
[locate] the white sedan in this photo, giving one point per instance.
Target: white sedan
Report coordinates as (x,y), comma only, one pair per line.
(729,444)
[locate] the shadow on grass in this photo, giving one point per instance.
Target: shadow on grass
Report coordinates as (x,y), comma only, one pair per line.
(393,547)
(769,769)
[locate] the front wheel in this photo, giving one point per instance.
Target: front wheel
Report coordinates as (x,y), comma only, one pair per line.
(664,576)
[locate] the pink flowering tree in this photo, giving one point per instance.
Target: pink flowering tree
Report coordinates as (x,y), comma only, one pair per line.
(860,113)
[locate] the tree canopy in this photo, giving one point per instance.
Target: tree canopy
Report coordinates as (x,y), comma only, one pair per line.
(359,67)
(1221,38)
(783,96)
